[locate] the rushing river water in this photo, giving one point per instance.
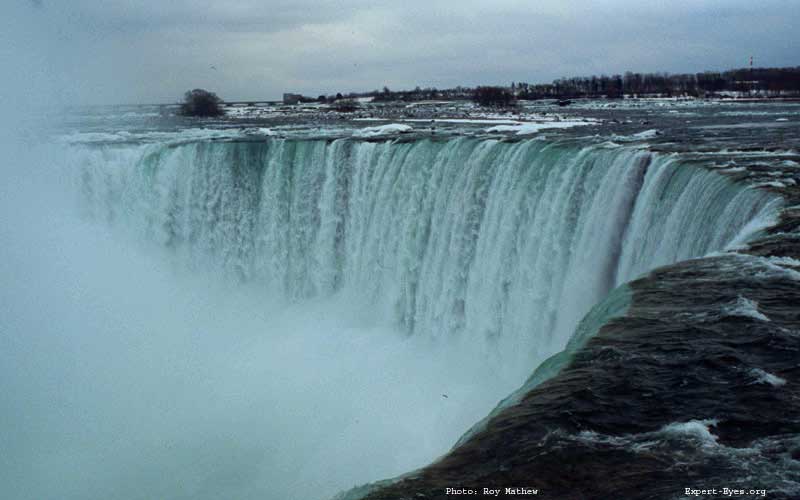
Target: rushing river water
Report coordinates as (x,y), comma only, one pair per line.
(269,310)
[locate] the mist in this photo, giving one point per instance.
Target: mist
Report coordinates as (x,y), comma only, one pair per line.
(126,375)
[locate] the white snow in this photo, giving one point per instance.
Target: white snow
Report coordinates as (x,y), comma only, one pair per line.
(429,103)
(640,136)
(595,437)
(647,134)
(745,308)
(392,128)
(784,261)
(776,184)
(444,120)
(258,131)
(772,268)
(523,128)
(700,429)
(763,377)
(467,120)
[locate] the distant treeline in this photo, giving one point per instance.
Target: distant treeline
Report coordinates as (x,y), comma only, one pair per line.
(762,82)
(386,95)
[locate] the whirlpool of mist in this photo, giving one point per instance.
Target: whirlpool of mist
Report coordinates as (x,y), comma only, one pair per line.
(286,319)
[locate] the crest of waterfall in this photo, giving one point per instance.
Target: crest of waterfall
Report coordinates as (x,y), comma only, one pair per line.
(483,241)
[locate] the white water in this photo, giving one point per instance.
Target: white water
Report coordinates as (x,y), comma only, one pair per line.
(501,246)
(284,319)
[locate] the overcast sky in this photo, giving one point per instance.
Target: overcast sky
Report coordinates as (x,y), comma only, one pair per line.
(153,50)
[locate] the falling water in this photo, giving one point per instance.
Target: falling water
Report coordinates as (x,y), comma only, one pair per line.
(504,245)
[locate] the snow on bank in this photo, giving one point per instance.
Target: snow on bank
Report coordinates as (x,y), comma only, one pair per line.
(524,128)
(744,308)
(763,377)
(258,131)
(392,128)
(776,184)
(647,134)
(639,136)
(434,121)
(697,429)
(463,120)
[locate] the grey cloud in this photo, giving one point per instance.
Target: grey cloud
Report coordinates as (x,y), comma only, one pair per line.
(153,50)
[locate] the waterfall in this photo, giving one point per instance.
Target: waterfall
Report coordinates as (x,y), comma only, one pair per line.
(501,244)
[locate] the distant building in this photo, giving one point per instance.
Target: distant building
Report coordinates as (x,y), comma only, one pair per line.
(292,98)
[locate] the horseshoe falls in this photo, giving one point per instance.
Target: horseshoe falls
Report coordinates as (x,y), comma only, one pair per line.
(503,246)
(286,318)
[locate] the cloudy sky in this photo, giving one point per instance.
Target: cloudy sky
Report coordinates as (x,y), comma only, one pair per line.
(153,50)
